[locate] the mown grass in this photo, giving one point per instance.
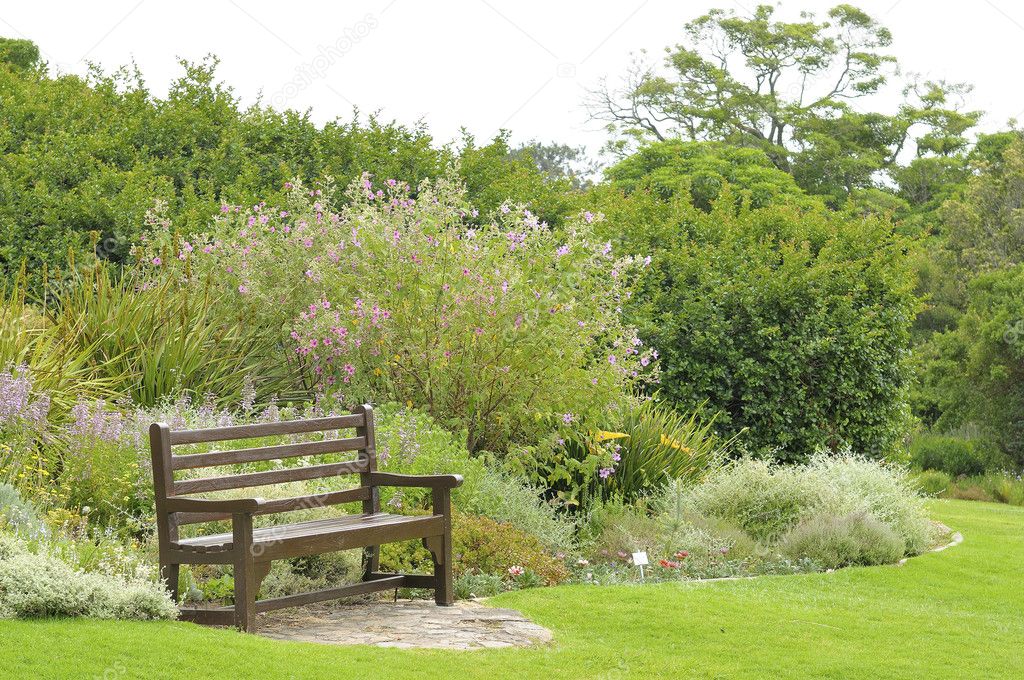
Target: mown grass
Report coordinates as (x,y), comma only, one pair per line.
(958,613)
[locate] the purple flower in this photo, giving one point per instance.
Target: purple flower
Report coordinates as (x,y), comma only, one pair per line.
(157,261)
(611,359)
(567,418)
(588,216)
(605,473)
(562,250)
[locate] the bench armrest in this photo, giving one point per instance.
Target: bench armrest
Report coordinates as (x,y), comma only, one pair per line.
(233,505)
(426,481)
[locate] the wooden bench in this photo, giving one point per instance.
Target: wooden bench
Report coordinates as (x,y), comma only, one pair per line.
(250,551)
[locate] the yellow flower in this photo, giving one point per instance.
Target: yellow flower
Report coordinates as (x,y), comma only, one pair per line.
(604,436)
(377,371)
(408,403)
(675,444)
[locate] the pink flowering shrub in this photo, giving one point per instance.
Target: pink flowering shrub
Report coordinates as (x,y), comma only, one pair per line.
(497,330)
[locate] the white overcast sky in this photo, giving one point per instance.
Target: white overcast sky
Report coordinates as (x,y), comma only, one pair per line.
(483,64)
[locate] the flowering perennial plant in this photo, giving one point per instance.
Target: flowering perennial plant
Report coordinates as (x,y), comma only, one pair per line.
(495,328)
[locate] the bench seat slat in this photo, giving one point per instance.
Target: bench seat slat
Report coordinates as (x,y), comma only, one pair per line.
(217,434)
(312,527)
(231,457)
(323,535)
(294,474)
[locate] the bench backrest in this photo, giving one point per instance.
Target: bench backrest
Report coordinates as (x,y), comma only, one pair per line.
(165,462)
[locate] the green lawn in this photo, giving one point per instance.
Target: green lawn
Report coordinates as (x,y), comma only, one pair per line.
(956,614)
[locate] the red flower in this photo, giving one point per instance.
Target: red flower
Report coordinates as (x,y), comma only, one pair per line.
(682,555)
(668,564)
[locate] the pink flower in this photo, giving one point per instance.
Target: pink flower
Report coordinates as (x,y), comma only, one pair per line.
(243,289)
(516,570)
(157,261)
(588,216)
(611,359)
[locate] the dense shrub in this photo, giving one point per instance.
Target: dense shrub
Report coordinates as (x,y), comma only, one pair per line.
(33,585)
(90,154)
(410,441)
(509,499)
(763,499)
(481,546)
(792,323)
(497,330)
(18,515)
(834,542)
(767,500)
(933,482)
(999,487)
(952,455)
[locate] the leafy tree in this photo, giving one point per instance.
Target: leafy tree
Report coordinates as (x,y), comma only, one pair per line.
(20,54)
(984,228)
(701,170)
(787,89)
(975,372)
(560,161)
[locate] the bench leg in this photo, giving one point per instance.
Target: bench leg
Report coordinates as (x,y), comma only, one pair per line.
(371,561)
(169,575)
(244,574)
(440,548)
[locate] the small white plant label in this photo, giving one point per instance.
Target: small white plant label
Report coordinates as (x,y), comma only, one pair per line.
(640,558)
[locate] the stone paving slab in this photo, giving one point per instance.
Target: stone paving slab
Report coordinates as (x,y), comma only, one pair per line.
(405,624)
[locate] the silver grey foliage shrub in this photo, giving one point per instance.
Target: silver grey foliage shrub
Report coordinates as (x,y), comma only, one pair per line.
(35,585)
(767,500)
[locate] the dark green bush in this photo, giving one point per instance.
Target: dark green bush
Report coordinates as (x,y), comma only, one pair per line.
(792,323)
(951,455)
